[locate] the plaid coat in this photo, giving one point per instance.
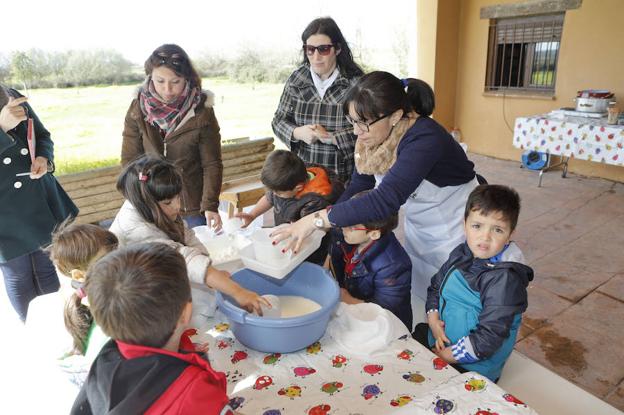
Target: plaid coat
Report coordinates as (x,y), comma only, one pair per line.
(301,104)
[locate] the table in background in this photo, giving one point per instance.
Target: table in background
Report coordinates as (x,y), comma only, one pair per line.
(571,137)
(326,379)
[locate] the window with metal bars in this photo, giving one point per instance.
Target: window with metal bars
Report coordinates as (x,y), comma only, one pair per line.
(523,53)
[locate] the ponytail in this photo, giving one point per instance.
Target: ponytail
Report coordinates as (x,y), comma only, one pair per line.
(380,93)
(78,321)
(420,96)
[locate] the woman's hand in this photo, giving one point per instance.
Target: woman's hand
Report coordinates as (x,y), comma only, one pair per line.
(39,167)
(250,300)
(310,133)
(12,113)
(297,232)
(213,220)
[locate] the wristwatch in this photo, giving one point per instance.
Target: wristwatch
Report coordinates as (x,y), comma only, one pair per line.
(319,223)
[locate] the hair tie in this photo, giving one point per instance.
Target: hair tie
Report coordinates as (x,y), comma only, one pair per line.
(80,292)
(404,82)
(143,177)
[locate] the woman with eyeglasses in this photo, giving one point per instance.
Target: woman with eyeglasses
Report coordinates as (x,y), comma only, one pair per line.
(310,118)
(409,160)
(173,117)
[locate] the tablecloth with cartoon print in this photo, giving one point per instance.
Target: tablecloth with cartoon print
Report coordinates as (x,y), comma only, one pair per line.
(325,379)
(575,137)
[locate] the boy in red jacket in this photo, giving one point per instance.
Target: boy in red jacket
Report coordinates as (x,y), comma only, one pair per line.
(140,297)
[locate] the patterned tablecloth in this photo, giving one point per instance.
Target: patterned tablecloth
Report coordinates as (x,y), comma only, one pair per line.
(576,137)
(326,379)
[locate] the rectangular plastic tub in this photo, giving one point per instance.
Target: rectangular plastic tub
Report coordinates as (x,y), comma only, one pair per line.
(279,271)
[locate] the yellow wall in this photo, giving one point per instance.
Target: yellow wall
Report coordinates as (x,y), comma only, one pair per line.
(591,56)
(438,35)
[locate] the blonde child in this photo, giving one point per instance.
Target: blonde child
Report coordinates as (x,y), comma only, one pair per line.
(74,247)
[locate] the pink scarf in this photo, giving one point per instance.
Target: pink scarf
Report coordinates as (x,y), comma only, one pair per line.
(166,115)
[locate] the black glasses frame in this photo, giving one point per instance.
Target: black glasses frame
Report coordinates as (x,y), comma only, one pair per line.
(365,126)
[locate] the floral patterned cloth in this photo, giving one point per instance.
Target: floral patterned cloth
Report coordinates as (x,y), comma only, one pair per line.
(575,137)
(326,379)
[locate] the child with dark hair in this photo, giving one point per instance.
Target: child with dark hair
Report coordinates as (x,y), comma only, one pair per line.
(151,213)
(475,302)
(295,191)
(74,247)
(371,266)
(141,297)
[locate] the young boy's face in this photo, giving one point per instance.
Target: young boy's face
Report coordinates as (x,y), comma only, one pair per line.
(356,234)
(486,235)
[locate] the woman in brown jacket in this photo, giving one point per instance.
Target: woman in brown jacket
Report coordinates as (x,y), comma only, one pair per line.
(172,117)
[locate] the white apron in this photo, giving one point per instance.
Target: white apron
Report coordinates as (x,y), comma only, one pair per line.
(434,225)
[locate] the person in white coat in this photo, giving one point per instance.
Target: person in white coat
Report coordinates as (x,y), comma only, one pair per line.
(151,213)
(410,161)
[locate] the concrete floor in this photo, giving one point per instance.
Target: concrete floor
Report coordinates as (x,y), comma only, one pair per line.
(571,231)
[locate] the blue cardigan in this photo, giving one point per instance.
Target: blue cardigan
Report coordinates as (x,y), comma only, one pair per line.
(426,152)
(383,276)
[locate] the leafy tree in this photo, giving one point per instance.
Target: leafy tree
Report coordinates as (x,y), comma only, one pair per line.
(23,68)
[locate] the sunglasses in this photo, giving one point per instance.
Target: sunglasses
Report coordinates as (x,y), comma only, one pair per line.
(323,50)
(363,125)
(174,60)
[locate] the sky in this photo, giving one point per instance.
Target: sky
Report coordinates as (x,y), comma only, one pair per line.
(135,28)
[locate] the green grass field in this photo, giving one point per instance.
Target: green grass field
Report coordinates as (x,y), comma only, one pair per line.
(86,123)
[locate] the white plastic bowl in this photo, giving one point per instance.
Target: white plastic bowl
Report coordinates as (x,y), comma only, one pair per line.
(265,263)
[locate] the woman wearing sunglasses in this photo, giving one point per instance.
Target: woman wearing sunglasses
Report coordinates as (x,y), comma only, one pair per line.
(173,117)
(409,160)
(310,118)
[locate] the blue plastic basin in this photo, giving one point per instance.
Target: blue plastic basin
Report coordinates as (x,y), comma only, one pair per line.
(283,335)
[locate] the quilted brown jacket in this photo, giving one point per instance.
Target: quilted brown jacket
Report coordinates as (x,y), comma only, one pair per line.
(194,147)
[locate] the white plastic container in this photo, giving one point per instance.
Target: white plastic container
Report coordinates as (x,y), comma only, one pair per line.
(224,249)
(265,251)
(263,260)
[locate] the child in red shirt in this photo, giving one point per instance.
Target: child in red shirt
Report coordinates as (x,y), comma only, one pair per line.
(140,296)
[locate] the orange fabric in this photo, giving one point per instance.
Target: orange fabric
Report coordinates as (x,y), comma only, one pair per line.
(320,183)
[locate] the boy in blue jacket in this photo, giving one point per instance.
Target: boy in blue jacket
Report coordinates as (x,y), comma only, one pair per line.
(475,302)
(371,266)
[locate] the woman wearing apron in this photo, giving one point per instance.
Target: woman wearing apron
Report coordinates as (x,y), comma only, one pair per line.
(410,160)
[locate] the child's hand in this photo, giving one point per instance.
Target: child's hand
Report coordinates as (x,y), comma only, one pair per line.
(446,354)
(347,298)
(201,347)
(251,301)
(245,217)
(437,329)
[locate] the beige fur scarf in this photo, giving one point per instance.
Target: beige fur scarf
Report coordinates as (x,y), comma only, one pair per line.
(379,159)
